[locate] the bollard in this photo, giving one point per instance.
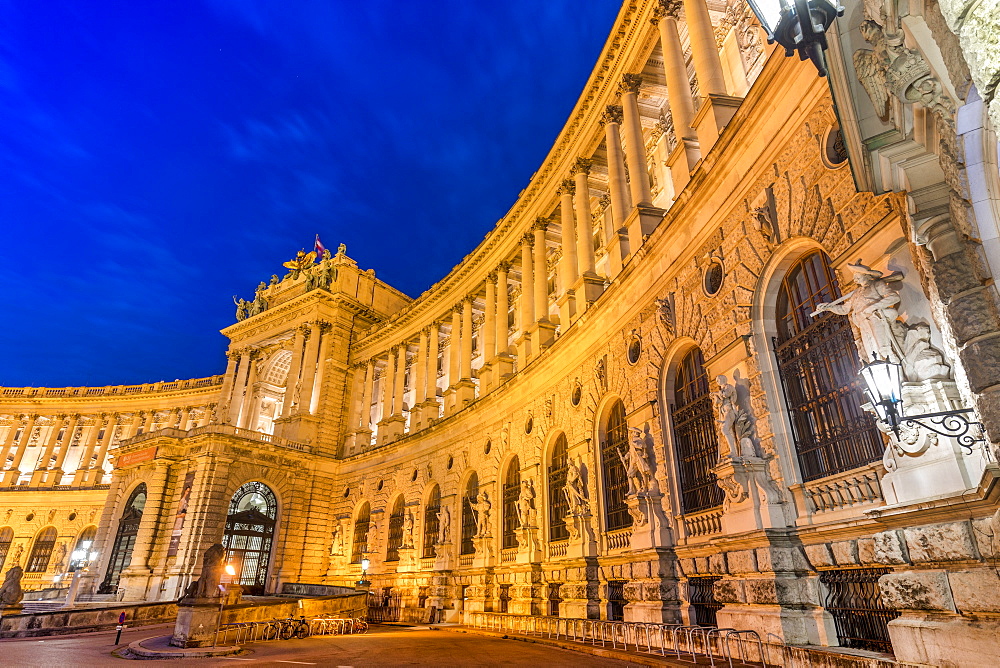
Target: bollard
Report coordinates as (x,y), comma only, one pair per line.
(121,625)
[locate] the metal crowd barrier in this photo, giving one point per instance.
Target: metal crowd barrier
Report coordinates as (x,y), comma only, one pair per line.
(679,640)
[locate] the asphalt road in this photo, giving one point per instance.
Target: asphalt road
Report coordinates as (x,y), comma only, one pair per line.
(382,646)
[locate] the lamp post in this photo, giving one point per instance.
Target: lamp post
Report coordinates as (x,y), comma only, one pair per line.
(365,563)
(883,380)
(80,560)
(798,25)
(230,572)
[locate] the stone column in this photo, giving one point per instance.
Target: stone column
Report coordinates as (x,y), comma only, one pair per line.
(133,428)
(465,389)
(527,310)
(568,263)
(38,477)
(635,154)
(503,366)
(183,417)
(64,450)
(588,286)
(388,376)
(239,386)
(292,380)
(12,474)
(147,426)
(686,154)
(420,383)
(364,423)
(454,359)
(83,466)
(717,108)
(8,441)
(325,344)
(433,410)
(225,393)
(248,410)
(309,362)
(102,452)
(543,332)
(399,385)
(489,335)
(617,238)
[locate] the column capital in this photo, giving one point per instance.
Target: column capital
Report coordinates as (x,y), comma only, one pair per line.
(630,83)
(612,114)
(528,240)
(468,299)
(581,166)
(504,267)
(567,187)
(666,9)
(233,354)
(541,223)
(491,277)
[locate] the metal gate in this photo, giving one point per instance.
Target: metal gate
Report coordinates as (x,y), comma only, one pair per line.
(384,606)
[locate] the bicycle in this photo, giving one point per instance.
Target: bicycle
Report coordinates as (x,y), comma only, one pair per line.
(296,627)
(360,626)
(271,630)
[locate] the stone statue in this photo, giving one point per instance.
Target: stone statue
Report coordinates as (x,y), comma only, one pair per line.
(60,558)
(326,253)
(737,425)
(573,489)
(872,308)
(407,527)
(526,505)
(10,591)
(259,304)
(337,542)
(342,249)
(15,558)
(274,280)
(299,263)
(444,523)
(207,586)
(636,464)
(482,505)
(241,308)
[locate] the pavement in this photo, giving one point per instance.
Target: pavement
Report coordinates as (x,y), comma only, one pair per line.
(381,646)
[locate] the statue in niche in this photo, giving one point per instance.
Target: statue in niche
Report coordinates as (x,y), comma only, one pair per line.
(407,526)
(637,469)
(737,424)
(60,558)
(872,309)
(444,525)
(11,593)
(574,491)
(526,505)
(241,308)
(482,506)
(337,542)
(207,586)
(15,558)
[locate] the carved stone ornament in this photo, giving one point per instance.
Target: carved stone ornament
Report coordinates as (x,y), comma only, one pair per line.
(665,310)
(636,462)
(613,114)
(892,69)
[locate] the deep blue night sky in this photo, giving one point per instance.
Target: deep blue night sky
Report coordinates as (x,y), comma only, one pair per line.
(157,157)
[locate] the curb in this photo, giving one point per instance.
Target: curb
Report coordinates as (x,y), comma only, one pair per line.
(136,649)
(583,648)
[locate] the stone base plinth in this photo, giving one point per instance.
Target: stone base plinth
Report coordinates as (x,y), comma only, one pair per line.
(681,163)
(196,625)
(712,118)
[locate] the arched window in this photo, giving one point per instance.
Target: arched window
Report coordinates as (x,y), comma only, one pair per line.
(696,443)
(395,530)
(128,528)
(469,523)
(80,555)
(432,523)
(511,492)
(361,526)
(558,504)
(6,538)
(38,559)
(818,362)
(253,513)
(613,471)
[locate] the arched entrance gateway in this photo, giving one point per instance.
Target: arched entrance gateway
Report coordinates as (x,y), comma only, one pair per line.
(249,535)
(128,528)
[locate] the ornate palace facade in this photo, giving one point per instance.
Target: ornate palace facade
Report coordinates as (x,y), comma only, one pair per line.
(638,397)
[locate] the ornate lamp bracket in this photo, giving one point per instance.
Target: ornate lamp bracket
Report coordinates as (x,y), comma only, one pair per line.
(953,424)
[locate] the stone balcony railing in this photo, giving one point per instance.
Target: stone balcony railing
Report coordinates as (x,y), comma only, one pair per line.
(111,390)
(857,487)
(224,429)
(703,523)
(619,540)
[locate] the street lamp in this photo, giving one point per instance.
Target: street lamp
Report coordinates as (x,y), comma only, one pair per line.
(228,578)
(798,25)
(365,563)
(884,383)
